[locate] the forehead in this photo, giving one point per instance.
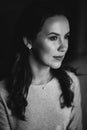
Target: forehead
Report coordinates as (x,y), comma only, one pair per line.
(58,24)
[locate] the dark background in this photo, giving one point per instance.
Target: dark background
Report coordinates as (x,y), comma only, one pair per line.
(77,54)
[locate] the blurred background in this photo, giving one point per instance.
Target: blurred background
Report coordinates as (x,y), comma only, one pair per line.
(77,54)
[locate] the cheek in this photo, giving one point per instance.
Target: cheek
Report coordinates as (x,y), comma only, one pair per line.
(66,46)
(46,48)
(42,51)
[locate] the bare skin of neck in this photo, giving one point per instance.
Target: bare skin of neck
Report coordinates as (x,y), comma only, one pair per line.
(41,74)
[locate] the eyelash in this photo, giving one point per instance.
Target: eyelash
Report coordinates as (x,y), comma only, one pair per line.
(52,38)
(67,36)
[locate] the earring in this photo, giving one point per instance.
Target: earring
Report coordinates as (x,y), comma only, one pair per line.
(29,46)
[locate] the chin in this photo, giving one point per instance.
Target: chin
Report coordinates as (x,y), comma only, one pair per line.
(56,65)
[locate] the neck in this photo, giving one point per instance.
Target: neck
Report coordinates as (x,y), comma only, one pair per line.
(41,73)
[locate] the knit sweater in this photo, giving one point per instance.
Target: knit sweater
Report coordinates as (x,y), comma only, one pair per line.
(43,111)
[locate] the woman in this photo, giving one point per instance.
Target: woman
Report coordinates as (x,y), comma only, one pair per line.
(40,93)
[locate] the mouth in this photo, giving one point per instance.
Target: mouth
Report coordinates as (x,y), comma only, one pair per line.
(59,58)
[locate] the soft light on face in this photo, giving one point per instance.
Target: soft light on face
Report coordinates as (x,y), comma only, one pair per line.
(51,43)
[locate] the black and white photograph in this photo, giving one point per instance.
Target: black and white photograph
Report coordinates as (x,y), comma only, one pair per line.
(43,65)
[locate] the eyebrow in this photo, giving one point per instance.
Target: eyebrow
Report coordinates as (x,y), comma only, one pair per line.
(68,33)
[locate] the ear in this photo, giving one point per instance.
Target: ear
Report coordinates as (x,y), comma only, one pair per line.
(27,43)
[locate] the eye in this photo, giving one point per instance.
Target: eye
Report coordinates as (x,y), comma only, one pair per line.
(53,38)
(67,37)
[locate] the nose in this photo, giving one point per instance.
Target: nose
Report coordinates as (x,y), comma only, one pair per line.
(63,45)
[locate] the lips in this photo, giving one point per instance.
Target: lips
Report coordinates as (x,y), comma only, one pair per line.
(58,57)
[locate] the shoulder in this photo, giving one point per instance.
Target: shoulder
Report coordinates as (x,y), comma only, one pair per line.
(76,113)
(75,87)
(3,91)
(74,78)
(6,118)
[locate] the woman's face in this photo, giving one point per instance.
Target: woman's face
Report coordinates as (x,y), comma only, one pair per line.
(51,43)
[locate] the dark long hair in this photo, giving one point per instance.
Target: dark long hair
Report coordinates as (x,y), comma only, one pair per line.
(20,79)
